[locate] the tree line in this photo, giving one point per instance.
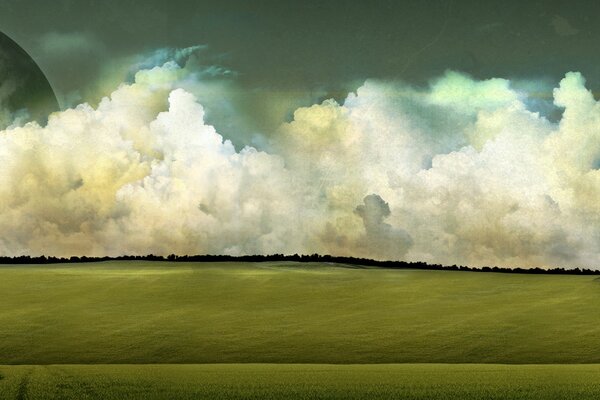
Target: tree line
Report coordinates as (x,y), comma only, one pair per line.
(354,261)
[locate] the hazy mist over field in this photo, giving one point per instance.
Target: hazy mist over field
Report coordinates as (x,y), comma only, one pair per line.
(189,150)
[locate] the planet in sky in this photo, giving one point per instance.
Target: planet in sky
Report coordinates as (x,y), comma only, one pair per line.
(25,93)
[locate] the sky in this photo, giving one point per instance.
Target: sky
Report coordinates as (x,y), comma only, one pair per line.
(445,131)
(315,48)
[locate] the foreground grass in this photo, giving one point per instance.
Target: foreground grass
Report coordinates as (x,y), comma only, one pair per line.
(268,381)
(141,312)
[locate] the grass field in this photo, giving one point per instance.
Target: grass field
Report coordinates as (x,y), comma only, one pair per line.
(148,313)
(303,314)
(271,381)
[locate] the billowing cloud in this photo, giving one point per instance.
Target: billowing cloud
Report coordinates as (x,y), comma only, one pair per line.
(381,240)
(469,174)
(459,172)
(141,173)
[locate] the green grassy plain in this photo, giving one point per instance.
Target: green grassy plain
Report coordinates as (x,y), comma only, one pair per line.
(283,330)
(143,312)
(309,381)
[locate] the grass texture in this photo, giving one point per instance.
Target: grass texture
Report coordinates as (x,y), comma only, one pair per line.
(146,313)
(270,381)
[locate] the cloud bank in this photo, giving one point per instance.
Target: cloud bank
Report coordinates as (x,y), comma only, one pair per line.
(463,171)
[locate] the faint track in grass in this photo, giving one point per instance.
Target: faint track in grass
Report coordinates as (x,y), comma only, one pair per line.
(23,385)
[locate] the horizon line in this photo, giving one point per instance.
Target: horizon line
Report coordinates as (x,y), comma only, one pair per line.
(356,261)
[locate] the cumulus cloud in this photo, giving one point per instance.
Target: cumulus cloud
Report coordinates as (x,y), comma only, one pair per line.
(462,171)
(469,173)
(198,71)
(141,173)
(381,240)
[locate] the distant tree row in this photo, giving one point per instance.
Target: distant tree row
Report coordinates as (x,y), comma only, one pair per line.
(298,258)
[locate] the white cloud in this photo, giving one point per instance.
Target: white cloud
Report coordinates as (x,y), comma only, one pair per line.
(469,173)
(460,172)
(141,173)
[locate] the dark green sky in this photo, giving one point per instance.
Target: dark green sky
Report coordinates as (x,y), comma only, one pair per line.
(316,45)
